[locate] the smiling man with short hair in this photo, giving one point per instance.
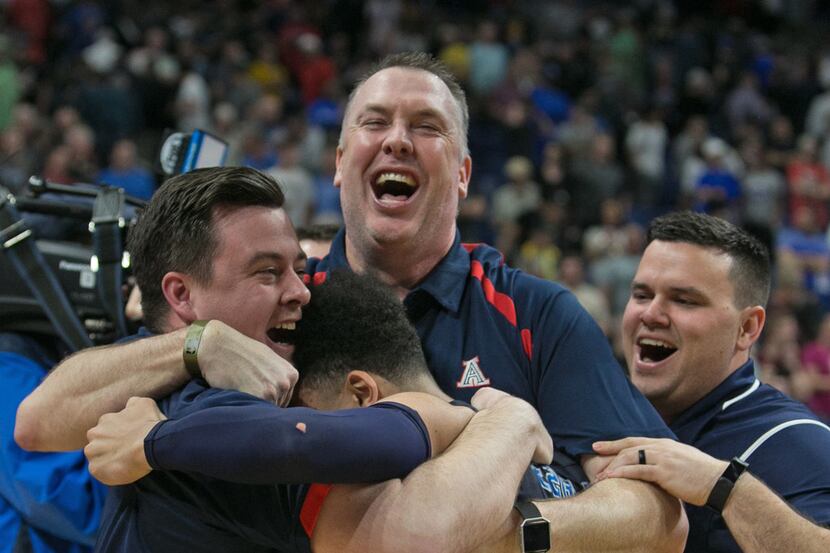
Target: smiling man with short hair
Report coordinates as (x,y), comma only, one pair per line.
(695,311)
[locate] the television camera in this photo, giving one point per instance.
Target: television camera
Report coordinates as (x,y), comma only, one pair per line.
(63,266)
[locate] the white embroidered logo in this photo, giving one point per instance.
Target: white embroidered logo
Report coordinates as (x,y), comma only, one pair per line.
(472,377)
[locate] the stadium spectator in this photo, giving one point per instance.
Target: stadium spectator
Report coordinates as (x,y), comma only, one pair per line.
(815,360)
(808,183)
(125,171)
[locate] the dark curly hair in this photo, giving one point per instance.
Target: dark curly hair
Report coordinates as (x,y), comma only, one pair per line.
(354,322)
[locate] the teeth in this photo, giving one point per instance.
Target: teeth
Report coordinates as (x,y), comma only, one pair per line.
(658,343)
(396,177)
(286,326)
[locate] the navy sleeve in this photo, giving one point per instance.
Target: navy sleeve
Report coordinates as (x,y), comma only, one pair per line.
(255,442)
(583,393)
(794,464)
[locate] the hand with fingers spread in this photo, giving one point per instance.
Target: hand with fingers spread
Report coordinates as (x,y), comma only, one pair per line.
(116,444)
(682,470)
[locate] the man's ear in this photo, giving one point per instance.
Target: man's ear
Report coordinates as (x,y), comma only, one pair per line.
(464,174)
(363,387)
(752,323)
(338,177)
(177,289)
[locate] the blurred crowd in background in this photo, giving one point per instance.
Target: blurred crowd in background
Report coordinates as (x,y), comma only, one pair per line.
(588,118)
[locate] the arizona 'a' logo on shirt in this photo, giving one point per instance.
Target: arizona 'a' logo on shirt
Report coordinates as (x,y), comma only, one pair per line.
(472,377)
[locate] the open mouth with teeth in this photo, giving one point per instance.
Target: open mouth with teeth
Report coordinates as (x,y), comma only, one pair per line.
(654,351)
(282,333)
(396,187)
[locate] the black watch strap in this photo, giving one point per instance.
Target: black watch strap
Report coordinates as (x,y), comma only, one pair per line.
(527,509)
(723,487)
(534,530)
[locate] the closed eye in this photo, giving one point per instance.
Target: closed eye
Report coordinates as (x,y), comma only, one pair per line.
(374,123)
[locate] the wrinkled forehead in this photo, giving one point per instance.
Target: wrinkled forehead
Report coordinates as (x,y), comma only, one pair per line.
(421,87)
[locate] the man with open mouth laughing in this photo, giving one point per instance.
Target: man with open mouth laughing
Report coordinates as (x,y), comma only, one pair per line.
(402,167)
(696,309)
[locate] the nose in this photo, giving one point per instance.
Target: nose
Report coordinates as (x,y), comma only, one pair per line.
(654,315)
(397,142)
(296,292)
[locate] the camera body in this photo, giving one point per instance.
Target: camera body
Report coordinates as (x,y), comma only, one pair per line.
(63,267)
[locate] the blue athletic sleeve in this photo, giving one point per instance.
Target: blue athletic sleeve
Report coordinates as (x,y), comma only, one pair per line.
(53,492)
(240,438)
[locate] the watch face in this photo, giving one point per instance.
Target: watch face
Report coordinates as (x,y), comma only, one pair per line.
(535,536)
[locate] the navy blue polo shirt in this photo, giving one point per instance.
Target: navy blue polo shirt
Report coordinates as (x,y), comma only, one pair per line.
(794,461)
(483,323)
(183,511)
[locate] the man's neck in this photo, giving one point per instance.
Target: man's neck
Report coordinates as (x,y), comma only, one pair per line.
(401,266)
(424,384)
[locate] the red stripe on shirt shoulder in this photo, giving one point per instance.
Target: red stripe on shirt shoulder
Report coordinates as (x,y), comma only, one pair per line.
(527,342)
(502,302)
(312,505)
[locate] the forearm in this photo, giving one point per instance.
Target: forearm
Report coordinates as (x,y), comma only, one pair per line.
(435,508)
(617,515)
(750,503)
(56,416)
(631,516)
(264,444)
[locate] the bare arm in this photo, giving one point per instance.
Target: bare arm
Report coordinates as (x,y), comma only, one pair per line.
(454,502)
(690,474)
(57,415)
(752,503)
(622,517)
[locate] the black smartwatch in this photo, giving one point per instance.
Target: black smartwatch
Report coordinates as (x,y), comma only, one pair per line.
(723,487)
(534,531)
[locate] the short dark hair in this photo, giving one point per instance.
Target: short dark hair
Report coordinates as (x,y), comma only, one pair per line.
(175,232)
(355,322)
(750,272)
(424,62)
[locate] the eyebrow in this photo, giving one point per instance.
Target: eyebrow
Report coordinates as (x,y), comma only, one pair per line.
(377,108)
(673,289)
(383,110)
(275,257)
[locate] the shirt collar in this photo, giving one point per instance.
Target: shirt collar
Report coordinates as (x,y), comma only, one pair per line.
(445,283)
(690,422)
(336,257)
